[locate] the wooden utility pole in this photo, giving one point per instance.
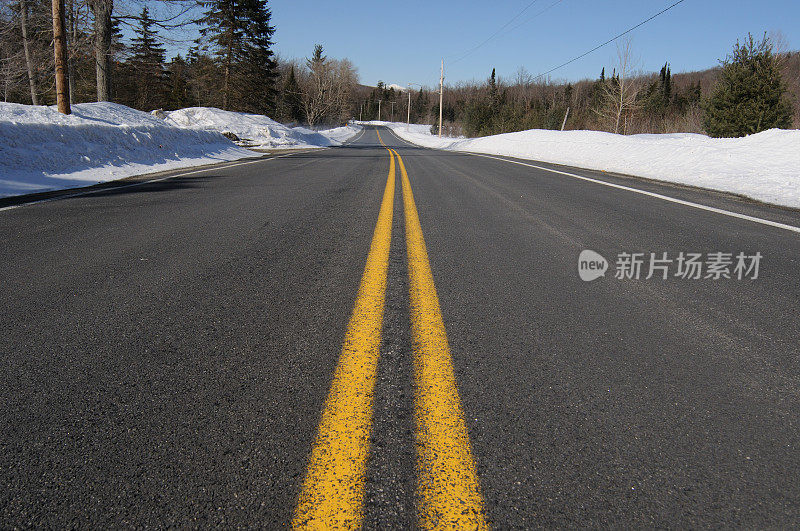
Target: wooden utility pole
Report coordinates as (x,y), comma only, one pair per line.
(408,123)
(564,123)
(60,49)
(441,98)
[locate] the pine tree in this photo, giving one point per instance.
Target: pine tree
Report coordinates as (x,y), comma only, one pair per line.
(596,94)
(420,107)
(205,83)
(258,71)
(240,36)
(317,98)
(666,85)
(147,60)
(179,94)
(493,101)
(319,57)
(750,95)
(292,97)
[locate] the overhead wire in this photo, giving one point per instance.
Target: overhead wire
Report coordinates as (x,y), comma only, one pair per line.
(466,54)
(543,11)
(609,41)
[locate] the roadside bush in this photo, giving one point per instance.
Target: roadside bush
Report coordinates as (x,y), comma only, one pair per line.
(750,95)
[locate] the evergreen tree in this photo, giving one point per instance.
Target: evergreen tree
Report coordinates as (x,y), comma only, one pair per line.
(239,34)
(205,81)
(317,101)
(596,95)
(257,74)
(695,93)
(147,61)
(179,93)
(493,91)
(292,98)
(420,107)
(750,95)
(666,85)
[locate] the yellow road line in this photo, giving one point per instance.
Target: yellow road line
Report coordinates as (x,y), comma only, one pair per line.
(333,489)
(448,490)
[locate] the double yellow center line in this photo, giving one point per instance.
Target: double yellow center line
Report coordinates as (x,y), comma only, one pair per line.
(448,492)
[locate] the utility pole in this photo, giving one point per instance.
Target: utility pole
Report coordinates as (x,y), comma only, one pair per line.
(60,50)
(360,112)
(564,123)
(392,103)
(441,97)
(408,124)
(379,110)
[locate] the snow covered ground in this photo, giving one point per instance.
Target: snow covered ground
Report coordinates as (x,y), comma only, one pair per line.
(764,166)
(42,150)
(258,131)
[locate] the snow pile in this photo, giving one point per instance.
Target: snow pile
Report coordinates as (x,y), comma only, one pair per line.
(764,166)
(254,130)
(42,150)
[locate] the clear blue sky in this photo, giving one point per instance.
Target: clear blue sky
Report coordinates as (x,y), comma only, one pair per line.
(403,42)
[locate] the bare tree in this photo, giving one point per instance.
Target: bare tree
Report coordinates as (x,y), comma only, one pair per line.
(60,54)
(522,83)
(621,90)
(72,30)
(26,44)
(11,63)
(345,79)
(11,68)
(327,86)
(102,9)
(318,85)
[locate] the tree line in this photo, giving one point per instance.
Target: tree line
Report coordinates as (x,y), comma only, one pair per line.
(231,65)
(755,88)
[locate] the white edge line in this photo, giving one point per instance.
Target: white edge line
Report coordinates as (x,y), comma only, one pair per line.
(650,194)
(406,141)
(729,213)
(232,164)
(350,141)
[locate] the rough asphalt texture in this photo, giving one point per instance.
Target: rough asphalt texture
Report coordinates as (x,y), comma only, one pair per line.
(166,349)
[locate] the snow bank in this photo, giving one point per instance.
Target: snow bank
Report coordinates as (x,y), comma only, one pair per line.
(42,150)
(257,131)
(764,166)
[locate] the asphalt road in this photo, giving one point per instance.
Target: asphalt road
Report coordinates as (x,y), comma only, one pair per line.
(168,351)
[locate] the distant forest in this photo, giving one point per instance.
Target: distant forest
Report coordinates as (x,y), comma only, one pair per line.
(232,66)
(658,102)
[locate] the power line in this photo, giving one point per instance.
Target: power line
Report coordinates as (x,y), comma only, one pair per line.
(609,41)
(554,4)
(495,34)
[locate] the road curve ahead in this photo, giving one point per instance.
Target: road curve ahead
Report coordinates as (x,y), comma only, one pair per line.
(385,336)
